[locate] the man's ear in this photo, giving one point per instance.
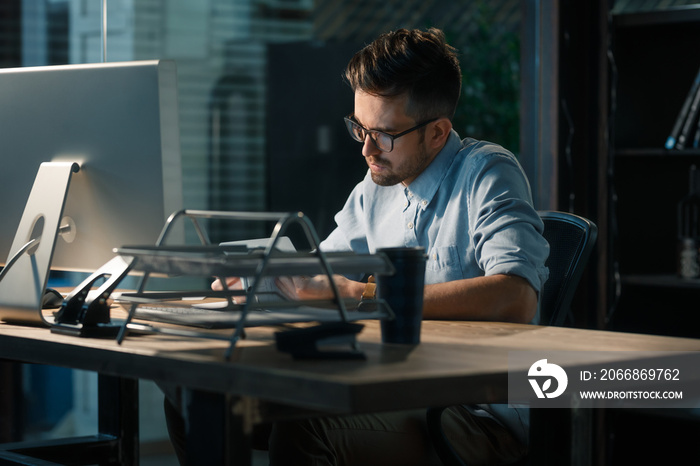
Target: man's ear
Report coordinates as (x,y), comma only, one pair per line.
(439,131)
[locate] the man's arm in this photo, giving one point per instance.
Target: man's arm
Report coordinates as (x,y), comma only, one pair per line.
(507,298)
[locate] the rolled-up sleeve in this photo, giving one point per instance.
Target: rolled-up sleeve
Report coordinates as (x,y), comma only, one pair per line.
(506,230)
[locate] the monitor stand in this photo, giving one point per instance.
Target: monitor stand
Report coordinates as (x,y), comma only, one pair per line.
(24,278)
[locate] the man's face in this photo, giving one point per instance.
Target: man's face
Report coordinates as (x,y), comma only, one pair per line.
(409,156)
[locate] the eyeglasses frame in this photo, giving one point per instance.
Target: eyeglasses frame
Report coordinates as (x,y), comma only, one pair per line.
(350,120)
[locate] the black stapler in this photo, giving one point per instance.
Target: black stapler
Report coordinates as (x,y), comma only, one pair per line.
(322,341)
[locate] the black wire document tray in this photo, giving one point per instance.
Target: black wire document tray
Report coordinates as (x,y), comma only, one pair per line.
(264,306)
(233,261)
(259,302)
(195,316)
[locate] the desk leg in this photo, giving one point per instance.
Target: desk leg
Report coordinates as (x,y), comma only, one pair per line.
(215,433)
(118,415)
(561,436)
(11,408)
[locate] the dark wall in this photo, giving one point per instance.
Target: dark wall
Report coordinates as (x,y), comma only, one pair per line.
(313,164)
(10,34)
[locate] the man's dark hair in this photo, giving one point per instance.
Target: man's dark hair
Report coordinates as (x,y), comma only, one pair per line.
(419,64)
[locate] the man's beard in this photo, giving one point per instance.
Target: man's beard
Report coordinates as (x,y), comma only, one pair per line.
(407,171)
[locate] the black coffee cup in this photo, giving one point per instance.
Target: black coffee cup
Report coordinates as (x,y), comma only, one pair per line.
(403,292)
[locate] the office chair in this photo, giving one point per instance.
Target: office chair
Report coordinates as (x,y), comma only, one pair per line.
(571,240)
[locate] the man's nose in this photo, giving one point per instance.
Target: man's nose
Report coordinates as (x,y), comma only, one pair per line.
(369,148)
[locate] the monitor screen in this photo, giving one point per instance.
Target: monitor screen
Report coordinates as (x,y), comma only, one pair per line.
(119,122)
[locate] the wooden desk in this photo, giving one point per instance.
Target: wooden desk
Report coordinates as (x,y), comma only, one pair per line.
(457,362)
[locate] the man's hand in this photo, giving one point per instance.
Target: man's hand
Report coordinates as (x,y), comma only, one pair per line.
(318,287)
(232,283)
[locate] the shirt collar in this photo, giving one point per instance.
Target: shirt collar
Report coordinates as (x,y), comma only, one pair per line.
(427,183)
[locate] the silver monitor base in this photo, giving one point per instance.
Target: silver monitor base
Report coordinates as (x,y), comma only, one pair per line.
(25,276)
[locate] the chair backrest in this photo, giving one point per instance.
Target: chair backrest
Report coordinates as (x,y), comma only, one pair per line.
(571,240)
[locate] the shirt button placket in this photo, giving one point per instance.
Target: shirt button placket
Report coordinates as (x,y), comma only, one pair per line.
(409,221)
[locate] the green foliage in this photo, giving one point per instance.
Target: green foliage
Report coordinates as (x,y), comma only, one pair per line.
(489,107)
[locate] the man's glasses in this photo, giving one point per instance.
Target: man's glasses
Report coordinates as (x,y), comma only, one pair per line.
(383,141)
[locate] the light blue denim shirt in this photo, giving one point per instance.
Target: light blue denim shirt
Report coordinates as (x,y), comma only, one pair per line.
(471,209)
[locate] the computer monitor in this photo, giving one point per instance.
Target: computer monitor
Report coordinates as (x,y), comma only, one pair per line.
(119,122)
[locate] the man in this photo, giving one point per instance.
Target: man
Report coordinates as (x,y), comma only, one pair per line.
(468,203)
